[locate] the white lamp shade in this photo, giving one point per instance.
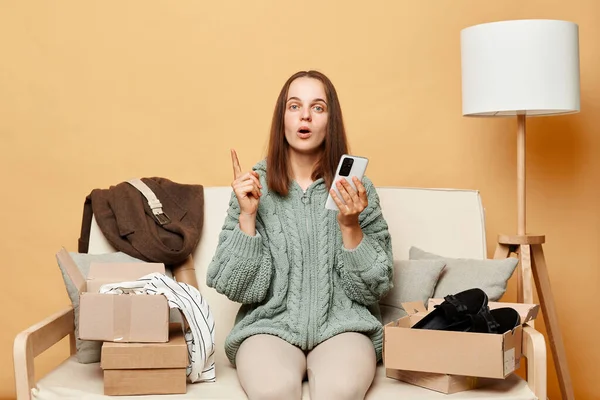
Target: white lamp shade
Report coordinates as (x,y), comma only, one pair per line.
(528,67)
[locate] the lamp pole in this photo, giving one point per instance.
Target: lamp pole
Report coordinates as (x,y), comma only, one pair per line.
(521,178)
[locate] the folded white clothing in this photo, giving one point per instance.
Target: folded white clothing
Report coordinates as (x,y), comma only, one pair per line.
(200,336)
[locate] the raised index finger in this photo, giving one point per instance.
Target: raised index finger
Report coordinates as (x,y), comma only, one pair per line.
(237,170)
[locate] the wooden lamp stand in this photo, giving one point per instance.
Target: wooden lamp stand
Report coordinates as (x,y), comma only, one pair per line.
(532,262)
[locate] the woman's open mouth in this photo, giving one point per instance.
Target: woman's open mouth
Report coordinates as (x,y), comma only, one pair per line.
(304,132)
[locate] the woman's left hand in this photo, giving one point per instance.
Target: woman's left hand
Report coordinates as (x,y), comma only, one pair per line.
(352,203)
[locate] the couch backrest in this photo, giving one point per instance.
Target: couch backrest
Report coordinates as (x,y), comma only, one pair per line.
(449,222)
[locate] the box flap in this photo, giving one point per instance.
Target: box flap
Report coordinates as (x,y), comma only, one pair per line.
(527,311)
(65,259)
(116,272)
(414,307)
(512,350)
(126,271)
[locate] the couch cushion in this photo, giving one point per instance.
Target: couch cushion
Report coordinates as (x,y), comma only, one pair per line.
(460,274)
(72,380)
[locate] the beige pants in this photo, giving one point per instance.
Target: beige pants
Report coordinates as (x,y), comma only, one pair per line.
(341,368)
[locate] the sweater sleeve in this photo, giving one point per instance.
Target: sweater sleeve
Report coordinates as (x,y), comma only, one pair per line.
(366,271)
(241,267)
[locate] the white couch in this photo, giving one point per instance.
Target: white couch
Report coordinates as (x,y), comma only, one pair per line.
(445,221)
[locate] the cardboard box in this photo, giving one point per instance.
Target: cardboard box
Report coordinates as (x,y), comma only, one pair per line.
(122,382)
(453,353)
(118,318)
(442,383)
(172,354)
(146,368)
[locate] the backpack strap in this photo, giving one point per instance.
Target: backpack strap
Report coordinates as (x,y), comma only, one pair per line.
(153,202)
(86,225)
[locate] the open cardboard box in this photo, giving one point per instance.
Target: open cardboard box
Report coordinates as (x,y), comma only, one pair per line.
(453,353)
(113,317)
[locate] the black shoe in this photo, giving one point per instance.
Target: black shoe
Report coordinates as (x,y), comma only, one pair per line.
(499,321)
(455,312)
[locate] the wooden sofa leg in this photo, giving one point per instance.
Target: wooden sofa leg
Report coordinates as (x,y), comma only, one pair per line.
(534,349)
(23,365)
(35,340)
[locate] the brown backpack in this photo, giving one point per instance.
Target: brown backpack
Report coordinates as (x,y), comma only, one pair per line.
(153,219)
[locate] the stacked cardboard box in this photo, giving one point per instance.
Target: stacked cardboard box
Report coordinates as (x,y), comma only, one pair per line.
(140,353)
(146,368)
(451,362)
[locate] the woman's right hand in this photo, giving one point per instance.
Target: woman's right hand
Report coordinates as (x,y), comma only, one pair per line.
(247,188)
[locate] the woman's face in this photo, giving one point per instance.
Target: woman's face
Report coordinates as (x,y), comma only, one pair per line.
(306,115)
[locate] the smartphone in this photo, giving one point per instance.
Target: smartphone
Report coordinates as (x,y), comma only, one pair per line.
(348,167)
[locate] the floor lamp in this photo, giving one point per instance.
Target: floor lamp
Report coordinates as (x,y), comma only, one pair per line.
(524,68)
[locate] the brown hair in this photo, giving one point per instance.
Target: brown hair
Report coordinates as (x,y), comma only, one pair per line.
(334,145)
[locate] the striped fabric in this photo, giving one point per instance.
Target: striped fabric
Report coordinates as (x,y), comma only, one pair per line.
(200,333)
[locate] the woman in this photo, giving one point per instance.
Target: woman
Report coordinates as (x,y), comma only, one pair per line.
(309,278)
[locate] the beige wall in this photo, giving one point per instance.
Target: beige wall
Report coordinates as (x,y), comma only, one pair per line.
(92,93)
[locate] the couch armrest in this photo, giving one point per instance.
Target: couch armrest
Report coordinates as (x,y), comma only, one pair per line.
(534,349)
(34,341)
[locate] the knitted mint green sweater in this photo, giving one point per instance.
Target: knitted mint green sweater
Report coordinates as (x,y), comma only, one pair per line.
(294,278)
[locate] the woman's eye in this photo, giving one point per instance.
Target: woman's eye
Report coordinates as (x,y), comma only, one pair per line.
(294,107)
(319,108)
